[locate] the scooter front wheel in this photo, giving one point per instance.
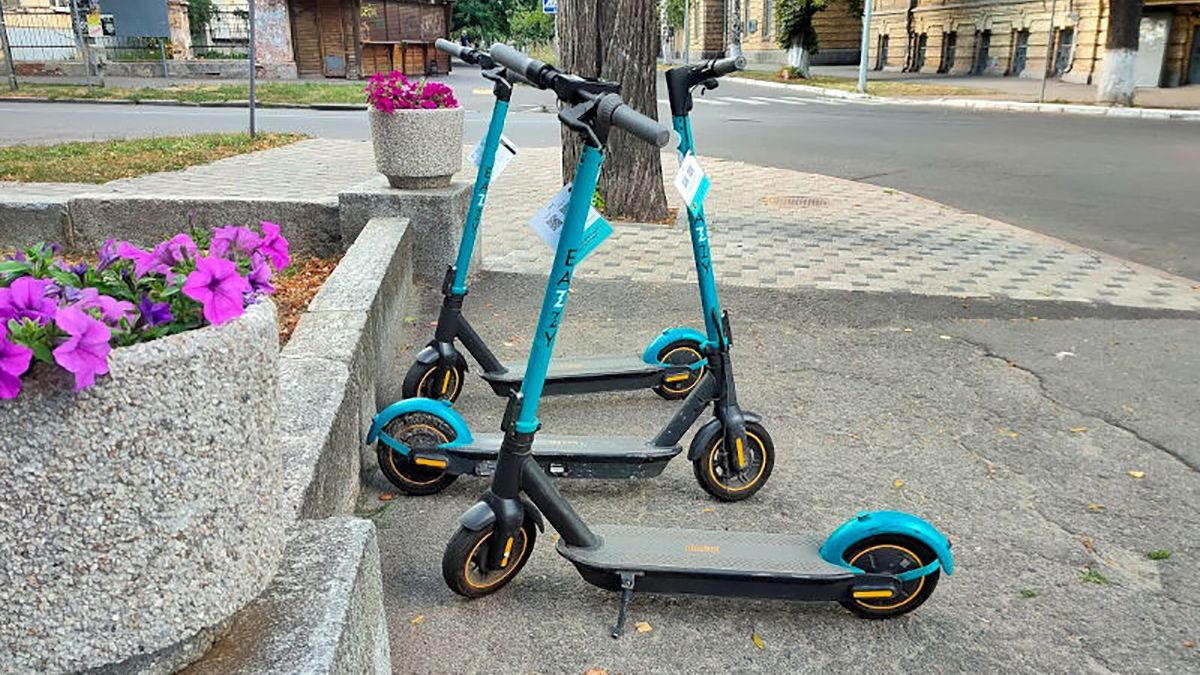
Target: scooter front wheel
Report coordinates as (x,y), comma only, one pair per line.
(464,565)
(680,353)
(891,554)
(757,459)
(415,430)
(428,380)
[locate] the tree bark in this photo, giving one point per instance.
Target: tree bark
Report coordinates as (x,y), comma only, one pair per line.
(799,58)
(1116,84)
(617,40)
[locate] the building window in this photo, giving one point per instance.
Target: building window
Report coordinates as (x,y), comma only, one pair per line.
(922,40)
(768,7)
(982,55)
(1062,51)
(949,46)
(1020,52)
(881,53)
(60,5)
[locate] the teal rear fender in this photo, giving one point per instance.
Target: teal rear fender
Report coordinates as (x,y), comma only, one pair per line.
(875,523)
(679,333)
(439,409)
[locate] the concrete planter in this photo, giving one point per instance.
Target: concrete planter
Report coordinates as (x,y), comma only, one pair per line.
(418,149)
(139,514)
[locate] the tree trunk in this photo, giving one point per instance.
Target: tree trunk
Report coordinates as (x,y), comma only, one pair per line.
(617,40)
(1116,84)
(799,58)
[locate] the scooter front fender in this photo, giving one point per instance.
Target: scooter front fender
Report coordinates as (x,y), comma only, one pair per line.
(439,409)
(712,429)
(428,356)
(674,335)
(875,523)
(481,516)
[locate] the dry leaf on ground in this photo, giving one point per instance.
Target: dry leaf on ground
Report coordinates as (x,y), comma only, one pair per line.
(643,626)
(1136,474)
(758,641)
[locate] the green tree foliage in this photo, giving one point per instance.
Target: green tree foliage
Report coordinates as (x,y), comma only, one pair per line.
(200,14)
(794,21)
(675,12)
(529,27)
(487,21)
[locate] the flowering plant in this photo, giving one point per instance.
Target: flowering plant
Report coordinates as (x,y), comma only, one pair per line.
(73,315)
(389,92)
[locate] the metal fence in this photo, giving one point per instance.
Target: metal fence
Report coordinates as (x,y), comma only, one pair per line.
(227,35)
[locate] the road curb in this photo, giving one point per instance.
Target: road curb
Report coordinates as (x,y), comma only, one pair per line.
(188,104)
(993,105)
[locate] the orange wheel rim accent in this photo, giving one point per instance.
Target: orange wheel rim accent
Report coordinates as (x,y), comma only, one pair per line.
(504,573)
(905,601)
(451,377)
(396,469)
(712,460)
(694,380)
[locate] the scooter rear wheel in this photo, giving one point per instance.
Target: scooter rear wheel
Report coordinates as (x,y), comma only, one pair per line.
(759,460)
(463,566)
(680,352)
(415,430)
(891,554)
(424,380)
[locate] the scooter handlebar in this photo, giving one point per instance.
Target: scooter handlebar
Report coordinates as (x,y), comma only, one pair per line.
(728,65)
(620,115)
(516,62)
(466,54)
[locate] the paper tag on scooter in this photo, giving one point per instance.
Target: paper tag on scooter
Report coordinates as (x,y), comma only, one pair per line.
(691,183)
(548,222)
(505,152)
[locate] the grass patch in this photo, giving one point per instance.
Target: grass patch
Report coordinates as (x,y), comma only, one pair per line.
(878,88)
(1094,577)
(1159,554)
(1028,593)
(102,161)
(266,92)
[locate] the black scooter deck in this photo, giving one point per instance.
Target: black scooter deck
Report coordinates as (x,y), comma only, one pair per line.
(580,456)
(707,562)
(586,375)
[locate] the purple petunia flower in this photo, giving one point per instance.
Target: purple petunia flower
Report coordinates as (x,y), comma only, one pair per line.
(85,353)
(112,311)
(14,361)
(107,255)
(227,241)
(217,286)
(26,298)
(259,277)
(164,256)
(154,313)
(274,246)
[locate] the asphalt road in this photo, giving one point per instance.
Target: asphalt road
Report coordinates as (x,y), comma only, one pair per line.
(1126,187)
(1021,457)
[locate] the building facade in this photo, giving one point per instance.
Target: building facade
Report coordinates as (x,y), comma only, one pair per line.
(1020,38)
(839,31)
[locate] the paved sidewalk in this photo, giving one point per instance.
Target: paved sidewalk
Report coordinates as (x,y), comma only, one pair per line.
(776,228)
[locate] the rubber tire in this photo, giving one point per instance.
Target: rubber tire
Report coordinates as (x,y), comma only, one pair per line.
(463,543)
(721,492)
(924,555)
(410,479)
(416,373)
(666,391)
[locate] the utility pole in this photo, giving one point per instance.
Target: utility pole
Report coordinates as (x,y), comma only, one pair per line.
(81,40)
(252,70)
(865,49)
(1049,51)
(687,33)
(8,57)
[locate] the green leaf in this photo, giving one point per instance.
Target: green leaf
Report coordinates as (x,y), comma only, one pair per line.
(14,267)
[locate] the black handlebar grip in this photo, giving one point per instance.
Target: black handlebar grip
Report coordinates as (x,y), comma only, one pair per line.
(729,65)
(620,115)
(520,63)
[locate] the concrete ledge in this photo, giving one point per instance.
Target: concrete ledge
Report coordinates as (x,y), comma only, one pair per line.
(437,217)
(310,226)
(321,615)
(329,368)
(30,219)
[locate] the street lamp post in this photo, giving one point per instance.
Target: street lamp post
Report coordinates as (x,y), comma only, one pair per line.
(8,57)
(252,73)
(865,48)
(1049,51)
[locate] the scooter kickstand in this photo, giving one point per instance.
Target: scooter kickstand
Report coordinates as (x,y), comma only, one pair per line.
(626,596)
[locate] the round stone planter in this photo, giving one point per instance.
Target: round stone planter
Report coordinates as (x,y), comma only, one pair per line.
(418,149)
(137,515)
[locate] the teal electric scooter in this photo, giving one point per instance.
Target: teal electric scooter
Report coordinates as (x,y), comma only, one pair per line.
(670,365)
(878,564)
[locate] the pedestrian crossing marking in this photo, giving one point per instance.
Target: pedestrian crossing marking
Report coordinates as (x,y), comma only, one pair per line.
(742,100)
(770,99)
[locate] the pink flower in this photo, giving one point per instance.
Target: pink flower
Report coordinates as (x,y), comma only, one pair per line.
(236,239)
(26,298)
(111,309)
(217,285)
(14,361)
(274,246)
(259,277)
(85,353)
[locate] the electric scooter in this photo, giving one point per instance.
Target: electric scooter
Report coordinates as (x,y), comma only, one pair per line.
(424,444)
(671,364)
(878,564)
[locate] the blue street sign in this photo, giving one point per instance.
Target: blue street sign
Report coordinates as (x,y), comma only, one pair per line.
(550,6)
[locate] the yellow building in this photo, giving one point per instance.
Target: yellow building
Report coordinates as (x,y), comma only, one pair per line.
(839,32)
(1018,38)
